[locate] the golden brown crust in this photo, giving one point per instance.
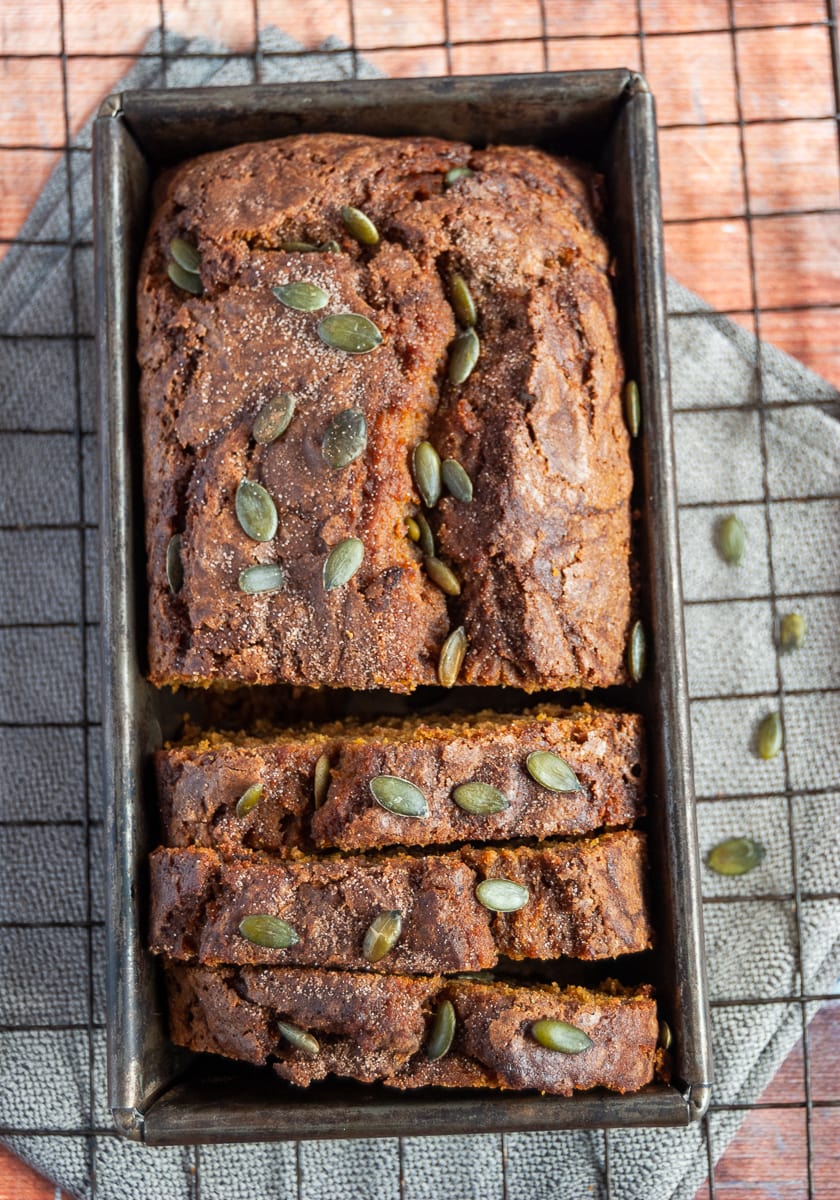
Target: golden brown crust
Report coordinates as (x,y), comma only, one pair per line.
(376,1027)
(199,785)
(542,551)
(586,900)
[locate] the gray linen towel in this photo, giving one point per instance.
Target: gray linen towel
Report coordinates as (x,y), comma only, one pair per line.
(731,457)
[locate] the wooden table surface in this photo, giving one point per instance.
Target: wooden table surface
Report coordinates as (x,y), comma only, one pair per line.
(751,188)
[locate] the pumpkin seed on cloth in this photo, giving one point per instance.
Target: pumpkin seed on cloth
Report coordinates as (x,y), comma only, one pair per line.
(480,799)
(187,281)
(632,407)
(350,332)
(346,438)
(442,1032)
(735,856)
(463,356)
(174,564)
(560,1036)
(443,576)
(343,562)
(301,296)
(255,511)
(322,779)
(271,932)
(359,226)
(463,304)
(770,736)
(249,799)
(451,659)
(502,895)
(637,652)
(425,466)
(299,1038)
(185,255)
(456,480)
(399,796)
(792,631)
(731,539)
(382,935)
(551,771)
(273,418)
(262,578)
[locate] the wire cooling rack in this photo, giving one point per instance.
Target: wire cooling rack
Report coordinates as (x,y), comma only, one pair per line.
(742,225)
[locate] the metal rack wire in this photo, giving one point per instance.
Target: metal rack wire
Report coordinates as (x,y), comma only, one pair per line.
(78,715)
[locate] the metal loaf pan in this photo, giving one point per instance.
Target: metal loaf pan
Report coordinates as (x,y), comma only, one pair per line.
(164,1096)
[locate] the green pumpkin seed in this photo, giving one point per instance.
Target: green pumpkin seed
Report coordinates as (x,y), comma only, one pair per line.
(255,511)
(551,771)
(666,1038)
(770,739)
(427,538)
(463,357)
(735,856)
(271,932)
(637,652)
(632,407)
(342,563)
(452,657)
(174,564)
(185,280)
(330,247)
(502,895)
(792,631)
(412,529)
(442,1032)
(382,935)
(463,304)
(399,796)
(298,247)
(273,418)
(456,173)
(350,332)
(732,538)
(346,438)
(456,480)
(480,799)
(185,255)
(261,578)
(322,779)
(560,1036)
(425,465)
(301,296)
(249,799)
(359,226)
(299,1038)
(440,574)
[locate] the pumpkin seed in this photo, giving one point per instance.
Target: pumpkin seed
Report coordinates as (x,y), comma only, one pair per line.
(382,935)
(735,856)
(456,173)
(255,511)
(480,799)
(298,247)
(666,1038)
(463,304)
(185,280)
(770,737)
(792,631)
(263,577)
(322,779)
(350,332)
(273,418)
(249,799)
(346,437)
(465,351)
(732,539)
(359,226)
(427,538)
(301,296)
(330,247)
(552,772)
(425,465)
(501,895)
(185,255)
(560,1036)
(265,930)
(637,652)
(442,1032)
(452,657)
(299,1038)
(174,564)
(440,574)
(342,563)
(456,480)
(632,407)
(412,529)
(399,796)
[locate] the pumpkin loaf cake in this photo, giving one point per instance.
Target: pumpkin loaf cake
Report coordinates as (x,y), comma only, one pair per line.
(382,427)
(416,1031)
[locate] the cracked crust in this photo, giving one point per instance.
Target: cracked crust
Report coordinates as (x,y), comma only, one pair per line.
(586,900)
(375,1028)
(542,551)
